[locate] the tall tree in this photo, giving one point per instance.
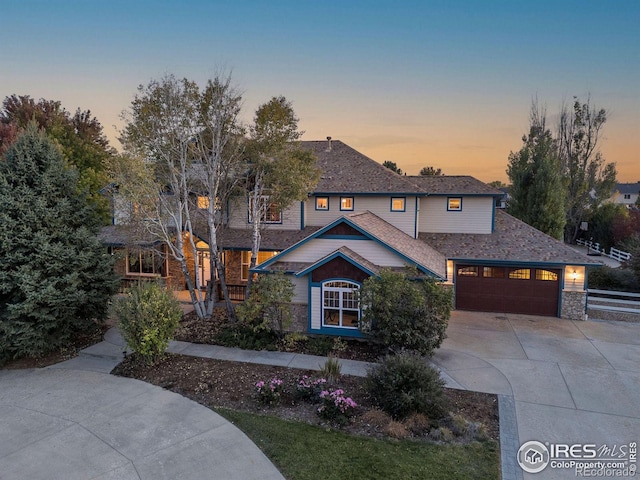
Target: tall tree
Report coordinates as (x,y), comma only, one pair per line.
(79,136)
(392,166)
(430,171)
(184,143)
(55,276)
(590,179)
(280,172)
(537,193)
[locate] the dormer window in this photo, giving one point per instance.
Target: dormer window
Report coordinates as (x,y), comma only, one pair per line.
(454,204)
(346,203)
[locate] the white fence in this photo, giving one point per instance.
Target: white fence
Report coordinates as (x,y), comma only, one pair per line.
(624,302)
(614,253)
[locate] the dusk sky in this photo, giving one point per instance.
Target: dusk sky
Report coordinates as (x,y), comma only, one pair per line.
(447,83)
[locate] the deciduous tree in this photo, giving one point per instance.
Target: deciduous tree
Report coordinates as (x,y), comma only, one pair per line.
(430,171)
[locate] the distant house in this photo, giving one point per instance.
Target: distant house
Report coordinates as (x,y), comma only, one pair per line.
(626,194)
(363,217)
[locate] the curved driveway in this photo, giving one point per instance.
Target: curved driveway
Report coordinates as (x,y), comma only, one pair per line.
(58,423)
(572,382)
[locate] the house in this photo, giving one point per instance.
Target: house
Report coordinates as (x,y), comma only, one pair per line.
(626,194)
(363,217)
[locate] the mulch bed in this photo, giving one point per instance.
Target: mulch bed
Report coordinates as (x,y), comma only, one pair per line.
(219,383)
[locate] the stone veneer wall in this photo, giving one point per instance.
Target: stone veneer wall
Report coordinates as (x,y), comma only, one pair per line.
(574,305)
(300,313)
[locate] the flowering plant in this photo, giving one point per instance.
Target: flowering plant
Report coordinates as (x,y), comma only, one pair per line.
(336,405)
(269,392)
(308,388)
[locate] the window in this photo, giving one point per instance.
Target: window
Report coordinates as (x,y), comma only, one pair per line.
(627,196)
(246,261)
(520,274)
(398,204)
(454,204)
(322,203)
(269,212)
(346,203)
(546,275)
(340,304)
(203,202)
(145,262)
(468,271)
(493,272)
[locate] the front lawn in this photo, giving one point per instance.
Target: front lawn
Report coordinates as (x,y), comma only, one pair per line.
(308,452)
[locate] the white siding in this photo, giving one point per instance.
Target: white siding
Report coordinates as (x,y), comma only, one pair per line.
(316,309)
(300,289)
(574,277)
(317,248)
(239,216)
(476,215)
(378,205)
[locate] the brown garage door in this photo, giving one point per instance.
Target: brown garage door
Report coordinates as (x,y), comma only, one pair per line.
(526,290)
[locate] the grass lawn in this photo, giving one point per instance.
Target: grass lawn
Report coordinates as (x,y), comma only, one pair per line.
(307,452)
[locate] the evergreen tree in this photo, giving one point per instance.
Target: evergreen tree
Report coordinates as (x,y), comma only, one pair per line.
(55,276)
(537,191)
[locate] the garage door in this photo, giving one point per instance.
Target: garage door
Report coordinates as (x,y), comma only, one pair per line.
(533,291)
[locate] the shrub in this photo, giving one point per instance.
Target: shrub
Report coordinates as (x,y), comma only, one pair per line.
(607,278)
(396,430)
(320,346)
(404,384)
(331,369)
(336,406)
(376,418)
(270,392)
(292,340)
(148,317)
(309,389)
(418,424)
(402,312)
(245,337)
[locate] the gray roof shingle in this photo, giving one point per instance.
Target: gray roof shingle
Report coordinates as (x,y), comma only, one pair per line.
(453,185)
(241,238)
(512,241)
(347,171)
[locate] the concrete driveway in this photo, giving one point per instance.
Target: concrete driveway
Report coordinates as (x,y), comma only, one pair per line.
(571,382)
(69,423)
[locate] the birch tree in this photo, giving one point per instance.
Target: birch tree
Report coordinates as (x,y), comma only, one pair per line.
(182,143)
(280,172)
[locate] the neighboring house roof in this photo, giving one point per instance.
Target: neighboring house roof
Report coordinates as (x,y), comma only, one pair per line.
(628,188)
(347,171)
(453,185)
(512,241)
(270,239)
(372,226)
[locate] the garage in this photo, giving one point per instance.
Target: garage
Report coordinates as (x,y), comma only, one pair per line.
(517,289)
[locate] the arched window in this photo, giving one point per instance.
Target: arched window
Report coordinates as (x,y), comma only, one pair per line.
(340,305)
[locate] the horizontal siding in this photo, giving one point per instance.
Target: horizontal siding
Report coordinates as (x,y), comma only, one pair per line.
(316,309)
(317,248)
(239,216)
(476,215)
(380,206)
(300,289)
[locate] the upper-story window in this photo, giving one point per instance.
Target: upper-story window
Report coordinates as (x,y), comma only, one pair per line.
(454,204)
(322,203)
(346,203)
(398,204)
(627,196)
(203,202)
(269,211)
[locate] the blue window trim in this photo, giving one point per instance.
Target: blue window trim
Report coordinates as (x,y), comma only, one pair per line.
(454,210)
(302,222)
(328,203)
(335,331)
(353,204)
(404,204)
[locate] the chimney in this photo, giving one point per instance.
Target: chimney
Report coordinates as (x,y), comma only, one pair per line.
(329,146)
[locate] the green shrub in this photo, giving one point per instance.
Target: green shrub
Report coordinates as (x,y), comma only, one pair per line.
(403,312)
(607,278)
(247,338)
(404,384)
(148,317)
(321,346)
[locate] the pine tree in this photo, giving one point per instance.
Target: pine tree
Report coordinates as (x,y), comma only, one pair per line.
(55,276)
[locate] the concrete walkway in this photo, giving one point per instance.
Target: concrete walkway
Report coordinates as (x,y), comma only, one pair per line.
(569,381)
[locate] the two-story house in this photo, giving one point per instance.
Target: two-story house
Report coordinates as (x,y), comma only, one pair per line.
(362,217)
(626,194)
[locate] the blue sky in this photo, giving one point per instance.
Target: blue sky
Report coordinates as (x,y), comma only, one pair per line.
(441,83)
